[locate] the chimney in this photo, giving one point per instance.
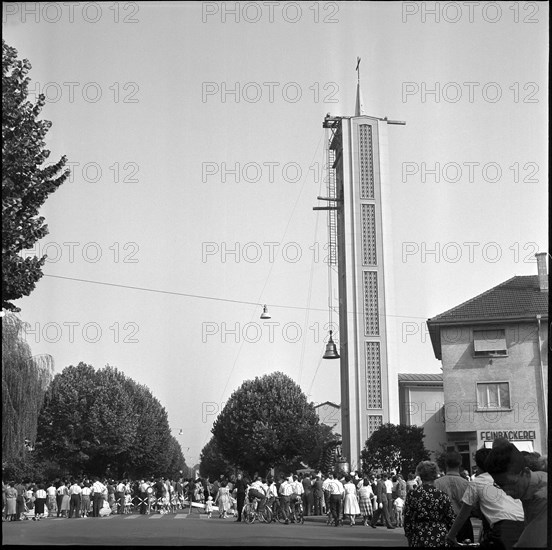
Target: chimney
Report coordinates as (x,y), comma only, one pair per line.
(542,271)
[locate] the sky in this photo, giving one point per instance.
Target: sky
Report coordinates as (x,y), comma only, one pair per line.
(194,135)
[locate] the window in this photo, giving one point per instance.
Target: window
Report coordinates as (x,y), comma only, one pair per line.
(521,445)
(489,343)
(494,395)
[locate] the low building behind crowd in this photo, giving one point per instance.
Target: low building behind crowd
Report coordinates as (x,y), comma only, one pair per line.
(330,414)
(421,403)
(493,350)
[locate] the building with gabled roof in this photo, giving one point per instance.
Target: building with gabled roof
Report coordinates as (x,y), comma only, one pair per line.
(493,349)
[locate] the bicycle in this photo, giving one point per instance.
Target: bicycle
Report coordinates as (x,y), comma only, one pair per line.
(297,513)
(278,512)
(251,512)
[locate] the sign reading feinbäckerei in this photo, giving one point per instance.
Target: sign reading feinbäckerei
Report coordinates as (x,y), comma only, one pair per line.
(512,435)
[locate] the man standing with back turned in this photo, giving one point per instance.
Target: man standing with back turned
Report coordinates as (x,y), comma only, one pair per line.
(454,485)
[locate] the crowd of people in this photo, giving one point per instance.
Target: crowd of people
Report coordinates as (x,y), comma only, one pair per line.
(507,492)
(95,497)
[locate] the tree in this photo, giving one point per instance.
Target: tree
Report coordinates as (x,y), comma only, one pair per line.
(26,180)
(316,457)
(323,435)
(212,463)
(24,382)
(266,421)
(99,421)
(175,460)
(394,447)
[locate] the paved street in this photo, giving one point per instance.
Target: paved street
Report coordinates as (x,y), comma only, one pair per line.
(181,529)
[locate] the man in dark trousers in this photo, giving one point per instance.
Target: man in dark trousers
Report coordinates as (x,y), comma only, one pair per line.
(308,500)
(381,505)
(318,494)
(241,488)
(143,498)
(20,501)
(98,489)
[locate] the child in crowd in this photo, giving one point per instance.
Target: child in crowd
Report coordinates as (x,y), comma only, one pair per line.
(234,506)
(209,506)
(105,510)
(128,503)
(398,506)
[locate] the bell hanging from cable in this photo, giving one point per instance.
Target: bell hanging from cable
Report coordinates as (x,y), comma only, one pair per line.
(265,314)
(331,349)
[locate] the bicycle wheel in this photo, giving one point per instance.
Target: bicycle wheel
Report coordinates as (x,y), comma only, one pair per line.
(248,513)
(298,514)
(279,514)
(266,515)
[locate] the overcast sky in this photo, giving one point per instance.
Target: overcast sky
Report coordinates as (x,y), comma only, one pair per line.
(196,142)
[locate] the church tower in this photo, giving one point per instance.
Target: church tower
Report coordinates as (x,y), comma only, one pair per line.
(357,169)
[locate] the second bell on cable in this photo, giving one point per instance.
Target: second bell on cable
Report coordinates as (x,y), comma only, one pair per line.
(331,349)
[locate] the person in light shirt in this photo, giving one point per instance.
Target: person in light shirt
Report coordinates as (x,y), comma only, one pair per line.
(298,491)
(503,516)
(365,496)
(120,489)
(98,491)
(388,482)
(143,496)
(257,490)
(85,499)
(75,491)
(326,491)
(40,502)
(51,502)
(336,492)
(509,470)
(286,490)
(272,490)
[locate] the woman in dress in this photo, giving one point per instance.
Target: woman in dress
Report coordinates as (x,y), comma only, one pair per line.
(11,502)
(65,502)
(365,495)
(223,500)
(350,505)
(199,492)
(428,512)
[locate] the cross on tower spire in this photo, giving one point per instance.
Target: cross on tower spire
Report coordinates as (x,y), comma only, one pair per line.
(359,106)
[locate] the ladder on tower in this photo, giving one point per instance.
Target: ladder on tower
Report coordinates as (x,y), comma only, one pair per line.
(332,214)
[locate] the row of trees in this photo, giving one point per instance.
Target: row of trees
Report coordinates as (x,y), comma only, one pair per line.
(80,421)
(98,421)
